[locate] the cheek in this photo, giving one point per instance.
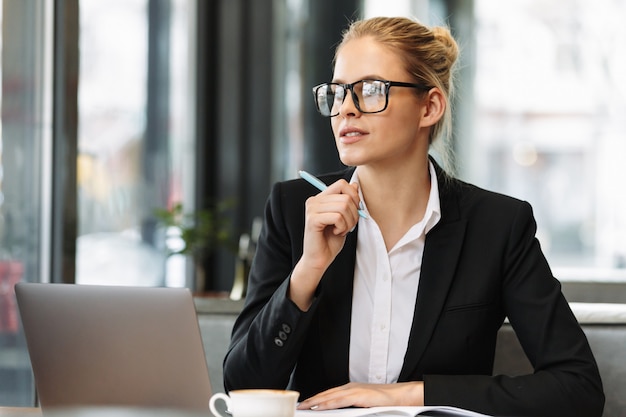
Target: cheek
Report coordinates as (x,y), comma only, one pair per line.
(408,123)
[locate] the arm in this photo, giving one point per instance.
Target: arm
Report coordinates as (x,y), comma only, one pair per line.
(566,380)
(254,359)
(293,253)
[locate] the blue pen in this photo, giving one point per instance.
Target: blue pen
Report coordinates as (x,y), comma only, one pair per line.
(317,183)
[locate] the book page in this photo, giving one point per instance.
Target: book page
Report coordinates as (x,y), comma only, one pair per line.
(391,412)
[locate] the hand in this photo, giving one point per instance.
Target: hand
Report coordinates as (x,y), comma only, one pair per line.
(367,395)
(329,217)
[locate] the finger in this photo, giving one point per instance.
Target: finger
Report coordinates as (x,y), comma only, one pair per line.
(334,222)
(329,402)
(343,187)
(333,210)
(329,399)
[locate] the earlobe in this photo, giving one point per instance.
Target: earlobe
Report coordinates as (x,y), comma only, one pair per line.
(434,107)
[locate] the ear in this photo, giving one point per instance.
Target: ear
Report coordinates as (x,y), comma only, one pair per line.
(433,107)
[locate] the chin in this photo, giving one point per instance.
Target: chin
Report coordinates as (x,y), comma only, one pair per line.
(353,156)
(351,161)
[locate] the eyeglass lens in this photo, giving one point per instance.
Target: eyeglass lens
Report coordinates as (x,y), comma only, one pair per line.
(369,96)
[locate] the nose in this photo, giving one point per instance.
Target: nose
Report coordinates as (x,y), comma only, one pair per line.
(348,106)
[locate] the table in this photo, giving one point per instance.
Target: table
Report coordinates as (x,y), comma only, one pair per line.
(98,412)
(19,411)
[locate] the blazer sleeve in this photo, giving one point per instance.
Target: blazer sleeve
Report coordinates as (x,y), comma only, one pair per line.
(566,380)
(270,330)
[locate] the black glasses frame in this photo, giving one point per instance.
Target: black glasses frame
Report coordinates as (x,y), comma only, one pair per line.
(355,99)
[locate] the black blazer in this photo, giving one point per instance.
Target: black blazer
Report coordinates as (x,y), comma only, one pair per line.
(481,263)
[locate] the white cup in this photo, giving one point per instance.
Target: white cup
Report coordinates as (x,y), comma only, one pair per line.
(257,403)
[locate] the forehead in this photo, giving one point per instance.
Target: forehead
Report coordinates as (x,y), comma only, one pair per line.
(365,58)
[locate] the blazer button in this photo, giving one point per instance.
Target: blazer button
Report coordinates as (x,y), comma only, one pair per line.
(278,342)
(282,335)
(286,328)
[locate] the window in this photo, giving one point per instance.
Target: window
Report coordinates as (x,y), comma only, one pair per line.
(111,142)
(549,103)
(135,149)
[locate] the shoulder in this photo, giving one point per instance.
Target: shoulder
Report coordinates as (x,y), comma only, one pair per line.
(461,199)
(494,222)
(458,196)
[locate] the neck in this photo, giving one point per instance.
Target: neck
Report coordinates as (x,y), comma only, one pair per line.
(400,193)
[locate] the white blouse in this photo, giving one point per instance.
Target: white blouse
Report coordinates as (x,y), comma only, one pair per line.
(384,294)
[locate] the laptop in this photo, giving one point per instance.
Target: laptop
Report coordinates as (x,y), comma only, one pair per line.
(93,345)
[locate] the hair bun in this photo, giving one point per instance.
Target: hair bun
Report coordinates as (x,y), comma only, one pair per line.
(442,35)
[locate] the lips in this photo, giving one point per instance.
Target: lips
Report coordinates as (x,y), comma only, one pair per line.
(351,134)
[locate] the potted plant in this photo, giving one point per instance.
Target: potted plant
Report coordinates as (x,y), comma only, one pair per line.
(199,232)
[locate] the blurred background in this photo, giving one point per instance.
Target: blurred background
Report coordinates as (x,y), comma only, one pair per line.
(128,125)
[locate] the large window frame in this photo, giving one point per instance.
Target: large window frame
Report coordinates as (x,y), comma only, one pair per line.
(25,177)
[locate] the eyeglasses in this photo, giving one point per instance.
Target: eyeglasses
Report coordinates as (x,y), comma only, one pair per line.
(369,96)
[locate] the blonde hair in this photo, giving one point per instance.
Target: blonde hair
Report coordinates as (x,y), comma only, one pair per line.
(429,54)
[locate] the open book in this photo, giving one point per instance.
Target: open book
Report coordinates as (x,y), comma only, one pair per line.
(404,411)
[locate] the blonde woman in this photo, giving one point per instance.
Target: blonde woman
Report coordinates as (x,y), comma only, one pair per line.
(401,306)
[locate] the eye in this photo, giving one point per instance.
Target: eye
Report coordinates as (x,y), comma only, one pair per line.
(373,88)
(339,92)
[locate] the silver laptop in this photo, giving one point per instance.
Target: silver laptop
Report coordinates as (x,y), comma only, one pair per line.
(114,346)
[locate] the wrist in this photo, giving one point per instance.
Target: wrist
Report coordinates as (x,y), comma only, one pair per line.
(413,393)
(302,285)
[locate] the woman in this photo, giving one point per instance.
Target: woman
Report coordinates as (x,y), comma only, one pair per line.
(403,307)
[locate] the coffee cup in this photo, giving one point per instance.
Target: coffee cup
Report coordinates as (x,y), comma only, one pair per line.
(257,403)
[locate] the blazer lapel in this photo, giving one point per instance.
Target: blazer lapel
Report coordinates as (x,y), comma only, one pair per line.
(441,254)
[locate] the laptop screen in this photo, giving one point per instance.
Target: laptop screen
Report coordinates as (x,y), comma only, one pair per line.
(115,346)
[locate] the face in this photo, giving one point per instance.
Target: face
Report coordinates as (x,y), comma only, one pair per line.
(390,137)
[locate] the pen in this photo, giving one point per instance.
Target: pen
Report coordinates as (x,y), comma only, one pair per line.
(317,183)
